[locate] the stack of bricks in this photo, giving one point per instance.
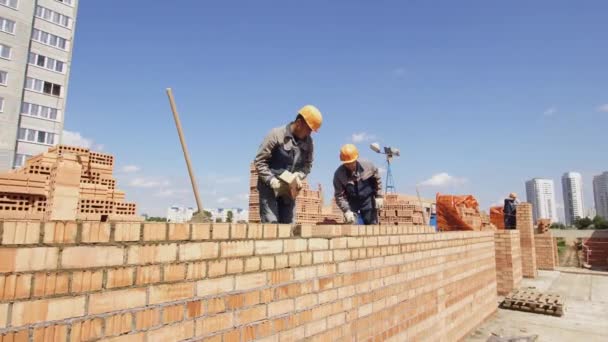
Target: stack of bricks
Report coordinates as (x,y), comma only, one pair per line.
(525,226)
(309,202)
(545,251)
(65,183)
(332,213)
(508,260)
(470,216)
(120,281)
(398,210)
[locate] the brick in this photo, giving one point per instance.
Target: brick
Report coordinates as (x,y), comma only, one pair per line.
(271,231)
(201,231)
(280,307)
(127,232)
(322,257)
(295,245)
(15,286)
(306,301)
(208,325)
(118,324)
(267,263)
(86,281)
(236,249)
(238,231)
(139,337)
(268,247)
(195,309)
(196,270)
(210,287)
(315,327)
(147,274)
(220,231)
(20,233)
(170,292)
(173,313)
(256,313)
(51,333)
(198,250)
(281,261)
(3,315)
(176,332)
(47,310)
(318,244)
(151,254)
(60,232)
(147,318)
(179,231)
(86,330)
(85,257)
(250,281)
(95,232)
(284,230)
(28,259)
(255,231)
(120,277)
(235,266)
(49,284)
(252,264)
(155,231)
(116,300)
(217,268)
(216,305)
(174,272)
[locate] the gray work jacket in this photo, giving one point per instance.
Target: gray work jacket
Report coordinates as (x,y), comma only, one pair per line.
(281,151)
(344,179)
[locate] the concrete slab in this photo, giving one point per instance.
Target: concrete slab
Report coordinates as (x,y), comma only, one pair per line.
(585,317)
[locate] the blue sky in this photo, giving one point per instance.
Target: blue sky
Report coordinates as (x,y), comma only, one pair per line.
(489,93)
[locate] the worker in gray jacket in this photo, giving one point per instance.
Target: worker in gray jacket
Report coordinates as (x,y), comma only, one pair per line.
(286,148)
(358,187)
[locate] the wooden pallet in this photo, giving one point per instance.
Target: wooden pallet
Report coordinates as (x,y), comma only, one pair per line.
(531,300)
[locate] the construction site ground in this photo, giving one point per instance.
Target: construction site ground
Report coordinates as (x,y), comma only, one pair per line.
(585,317)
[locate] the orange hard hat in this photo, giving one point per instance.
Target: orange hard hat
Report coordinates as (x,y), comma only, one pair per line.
(312,116)
(349,153)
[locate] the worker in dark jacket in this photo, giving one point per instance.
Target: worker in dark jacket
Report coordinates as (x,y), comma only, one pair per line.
(510,211)
(357,187)
(286,148)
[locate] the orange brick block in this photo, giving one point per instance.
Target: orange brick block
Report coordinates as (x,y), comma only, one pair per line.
(127,231)
(174,272)
(60,232)
(198,250)
(208,325)
(171,292)
(201,231)
(147,318)
(47,310)
(179,231)
(86,330)
(28,259)
(86,281)
(97,256)
(51,333)
(151,254)
(95,232)
(15,286)
(147,274)
(155,231)
(176,332)
(118,324)
(20,233)
(173,313)
(116,300)
(48,284)
(120,277)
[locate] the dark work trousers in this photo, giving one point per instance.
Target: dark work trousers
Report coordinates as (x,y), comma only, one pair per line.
(275,209)
(369,216)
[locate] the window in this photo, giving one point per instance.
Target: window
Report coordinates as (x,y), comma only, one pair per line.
(3,77)
(10,3)
(46,62)
(32,135)
(67,2)
(44,112)
(49,39)
(42,86)
(5,51)
(7,26)
(52,16)
(1,104)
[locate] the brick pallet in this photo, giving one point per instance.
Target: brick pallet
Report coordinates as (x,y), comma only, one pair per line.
(508,260)
(526,232)
(65,183)
(398,210)
(69,281)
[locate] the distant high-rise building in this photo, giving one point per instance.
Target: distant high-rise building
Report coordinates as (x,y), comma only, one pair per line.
(540,192)
(600,194)
(590,212)
(36,40)
(572,188)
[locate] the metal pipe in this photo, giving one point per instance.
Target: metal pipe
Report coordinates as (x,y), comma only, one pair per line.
(180,133)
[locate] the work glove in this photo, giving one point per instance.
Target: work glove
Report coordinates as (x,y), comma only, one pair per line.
(379,202)
(349,217)
(275,185)
(299,179)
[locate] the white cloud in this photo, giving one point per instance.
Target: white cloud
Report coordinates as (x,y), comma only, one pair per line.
(140,182)
(603,108)
(167,193)
(443,179)
(76,139)
(550,111)
(361,137)
(130,168)
(243,197)
(223,200)
(399,72)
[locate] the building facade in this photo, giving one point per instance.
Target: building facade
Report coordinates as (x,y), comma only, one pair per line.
(221,214)
(176,214)
(600,194)
(541,194)
(572,189)
(36,41)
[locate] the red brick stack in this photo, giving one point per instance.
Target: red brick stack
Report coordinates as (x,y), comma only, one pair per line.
(398,210)
(525,226)
(508,260)
(545,251)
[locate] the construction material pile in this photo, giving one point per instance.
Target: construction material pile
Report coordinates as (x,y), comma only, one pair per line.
(399,210)
(458,213)
(497,217)
(65,183)
(542,225)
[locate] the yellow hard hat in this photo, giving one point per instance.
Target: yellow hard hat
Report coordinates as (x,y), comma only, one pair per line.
(349,153)
(312,116)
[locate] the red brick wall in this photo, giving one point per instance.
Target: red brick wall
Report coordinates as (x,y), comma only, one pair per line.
(525,226)
(221,282)
(545,251)
(508,260)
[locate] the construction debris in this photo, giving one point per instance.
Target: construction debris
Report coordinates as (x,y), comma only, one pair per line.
(531,300)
